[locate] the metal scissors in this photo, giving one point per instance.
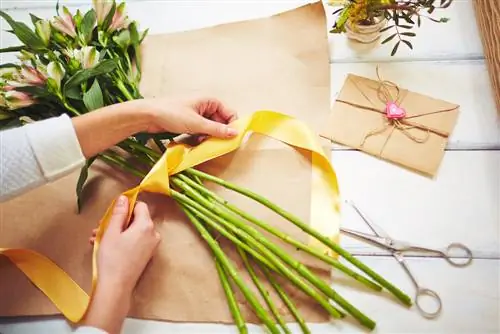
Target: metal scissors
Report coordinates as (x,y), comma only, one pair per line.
(397,249)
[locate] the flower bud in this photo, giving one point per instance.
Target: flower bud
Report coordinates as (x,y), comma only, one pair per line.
(26,56)
(32,76)
(102,8)
(43,30)
(119,20)
(89,57)
(64,23)
(15,99)
(56,72)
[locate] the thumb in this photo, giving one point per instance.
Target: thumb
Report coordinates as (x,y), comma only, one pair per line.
(215,129)
(119,215)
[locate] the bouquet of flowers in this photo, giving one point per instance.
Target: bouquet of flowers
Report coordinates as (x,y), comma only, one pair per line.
(79,62)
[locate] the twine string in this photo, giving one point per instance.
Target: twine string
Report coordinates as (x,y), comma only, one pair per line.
(385,96)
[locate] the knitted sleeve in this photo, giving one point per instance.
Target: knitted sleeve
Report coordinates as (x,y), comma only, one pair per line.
(36,154)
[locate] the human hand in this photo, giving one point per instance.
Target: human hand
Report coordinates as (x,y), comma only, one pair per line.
(124,251)
(202,116)
(123,254)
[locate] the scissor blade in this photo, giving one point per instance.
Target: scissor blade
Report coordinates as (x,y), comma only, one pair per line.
(376,229)
(376,240)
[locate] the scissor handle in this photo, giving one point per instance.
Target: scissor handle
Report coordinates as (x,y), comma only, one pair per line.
(430,293)
(458,262)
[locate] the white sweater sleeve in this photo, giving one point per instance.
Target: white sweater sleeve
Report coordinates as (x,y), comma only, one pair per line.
(89,330)
(36,154)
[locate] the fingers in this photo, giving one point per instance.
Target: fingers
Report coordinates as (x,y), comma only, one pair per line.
(216,129)
(215,110)
(119,215)
(143,223)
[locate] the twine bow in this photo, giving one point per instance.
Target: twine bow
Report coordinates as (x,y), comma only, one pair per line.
(394,117)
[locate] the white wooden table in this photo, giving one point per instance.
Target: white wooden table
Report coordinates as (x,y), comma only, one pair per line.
(462,204)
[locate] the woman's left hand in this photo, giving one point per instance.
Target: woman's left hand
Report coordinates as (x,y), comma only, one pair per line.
(204,116)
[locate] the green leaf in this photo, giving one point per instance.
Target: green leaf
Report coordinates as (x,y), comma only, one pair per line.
(431,9)
(419,21)
(57,7)
(93,98)
(84,174)
(134,33)
(74,93)
(23,32)
(408,43)
(12,49)
(410,34)
(388,39)
(122,39)
(405,26)
(88,24)
(386,28)
(395,49)
(85,74)
(34,18)
(9,65)
(144,34)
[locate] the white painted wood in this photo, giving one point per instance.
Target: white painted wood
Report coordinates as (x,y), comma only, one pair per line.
(470,298)
(462,82)
(460,205)
(457,39)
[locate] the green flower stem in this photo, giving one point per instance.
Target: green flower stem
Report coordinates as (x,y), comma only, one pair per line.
(231,299)
(230,236)
(70,107)
(142,148)
(255,243)
(263,292)
(404,298)
(286,300)
(299,267)
(115,160)
(140,156)
(124,90)
(327,259)
(231,272)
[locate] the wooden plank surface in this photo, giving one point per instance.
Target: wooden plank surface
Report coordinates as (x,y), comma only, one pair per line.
(462,82)
(488,21)
(460,205)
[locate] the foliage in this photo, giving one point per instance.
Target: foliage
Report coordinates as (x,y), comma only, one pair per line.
(401,15)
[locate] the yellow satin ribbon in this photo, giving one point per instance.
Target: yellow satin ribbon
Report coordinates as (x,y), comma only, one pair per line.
(73,301)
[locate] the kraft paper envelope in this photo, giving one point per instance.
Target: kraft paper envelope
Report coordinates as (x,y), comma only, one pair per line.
(358,120)
(278,63)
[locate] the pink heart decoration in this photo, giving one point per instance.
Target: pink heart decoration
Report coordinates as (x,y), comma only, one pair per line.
(393,111)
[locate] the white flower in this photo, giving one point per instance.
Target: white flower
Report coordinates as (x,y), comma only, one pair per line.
(15,99)
(56,71)
(89,57)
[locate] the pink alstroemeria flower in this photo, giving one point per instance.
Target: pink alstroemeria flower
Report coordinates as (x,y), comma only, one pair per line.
(16,100)
(119,20)
(102,8)
(64,23)
(32,76)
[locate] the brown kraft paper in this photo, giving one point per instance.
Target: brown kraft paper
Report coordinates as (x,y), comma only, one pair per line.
(417,142)
(180,283)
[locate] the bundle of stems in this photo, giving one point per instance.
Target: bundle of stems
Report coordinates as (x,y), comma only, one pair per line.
(77,63)
(213,216)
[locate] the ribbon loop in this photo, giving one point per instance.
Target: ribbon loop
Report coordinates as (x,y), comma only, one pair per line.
(73,302)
